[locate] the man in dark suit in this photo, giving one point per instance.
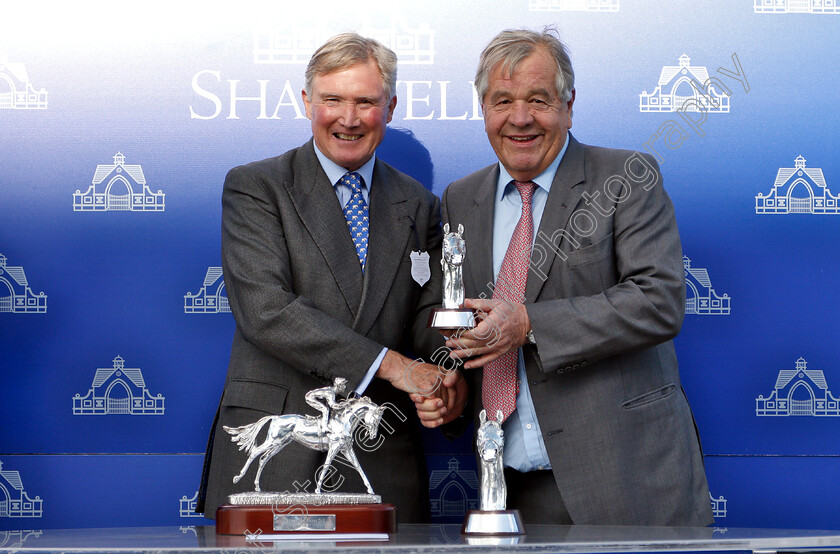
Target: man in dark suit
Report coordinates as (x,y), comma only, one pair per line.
(314,302)
(575,266)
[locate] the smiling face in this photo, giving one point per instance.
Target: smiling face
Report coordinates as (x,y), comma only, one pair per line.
(349,110)
(524,118)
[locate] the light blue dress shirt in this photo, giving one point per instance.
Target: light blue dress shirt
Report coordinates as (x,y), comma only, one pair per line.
(524,446)
(334,173)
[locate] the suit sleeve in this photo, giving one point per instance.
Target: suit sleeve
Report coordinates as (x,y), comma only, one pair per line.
(260,286)
(643,299)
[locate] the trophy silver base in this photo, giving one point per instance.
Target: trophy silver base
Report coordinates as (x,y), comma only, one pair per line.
(314,522)
(495,522)
(254,498)
(451,319)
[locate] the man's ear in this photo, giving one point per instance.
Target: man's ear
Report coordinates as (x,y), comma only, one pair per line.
(391,105)
(307,104)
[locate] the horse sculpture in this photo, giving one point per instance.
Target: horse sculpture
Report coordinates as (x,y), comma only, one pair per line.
(336,437)
(491,441)
(454,250)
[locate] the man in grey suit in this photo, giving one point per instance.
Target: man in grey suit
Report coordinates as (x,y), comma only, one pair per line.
(575,268)
(314,302)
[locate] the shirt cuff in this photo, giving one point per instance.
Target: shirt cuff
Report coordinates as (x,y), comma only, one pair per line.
(374,367)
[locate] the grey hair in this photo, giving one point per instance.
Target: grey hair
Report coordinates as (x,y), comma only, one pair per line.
(511,46)
(348,49)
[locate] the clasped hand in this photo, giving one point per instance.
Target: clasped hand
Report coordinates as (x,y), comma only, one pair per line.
(438,395)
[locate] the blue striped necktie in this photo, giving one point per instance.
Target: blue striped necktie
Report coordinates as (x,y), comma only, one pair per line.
(356,213)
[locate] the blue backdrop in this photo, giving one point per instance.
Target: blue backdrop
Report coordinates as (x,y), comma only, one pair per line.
(117,129)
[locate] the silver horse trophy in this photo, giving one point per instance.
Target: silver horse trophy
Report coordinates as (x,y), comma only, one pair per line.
(492,518)
(453,315)
(332,432)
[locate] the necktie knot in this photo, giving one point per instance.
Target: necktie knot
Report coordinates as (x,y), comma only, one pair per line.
(526,191)
(353,181)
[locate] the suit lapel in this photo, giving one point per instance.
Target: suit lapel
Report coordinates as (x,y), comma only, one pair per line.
(562,200)
(478,222)
(391,209)
(321,214)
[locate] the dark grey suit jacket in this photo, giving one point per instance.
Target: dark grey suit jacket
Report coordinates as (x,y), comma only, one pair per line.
(305,314)
(605,296)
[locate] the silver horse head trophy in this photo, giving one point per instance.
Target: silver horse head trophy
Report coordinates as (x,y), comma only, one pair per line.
(452,262)
(453,315)
(491,443)
(332,431)
(492,518)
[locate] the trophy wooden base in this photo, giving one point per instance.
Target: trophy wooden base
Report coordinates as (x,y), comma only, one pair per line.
(451,319)
(493,522)
(311,520)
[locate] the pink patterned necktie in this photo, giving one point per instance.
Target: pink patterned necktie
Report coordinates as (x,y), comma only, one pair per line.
(499,385)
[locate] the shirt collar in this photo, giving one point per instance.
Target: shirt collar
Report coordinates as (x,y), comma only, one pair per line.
(335,172)
(543,180)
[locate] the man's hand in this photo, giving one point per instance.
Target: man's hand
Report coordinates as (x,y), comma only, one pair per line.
(448,403)
(411,376)
(503,327)
(439,396)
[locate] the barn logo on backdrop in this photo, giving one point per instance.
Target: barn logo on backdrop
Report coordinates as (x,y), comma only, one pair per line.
(718,506)
(573,5)
(692,94)
(797,6)
(686,88)
(118,187)
(453,491)
(700,297)
(186,506)
(16,92)
(118,390)
(14,500)
(799,392)
(798,190)
(16,295)
(211,298)
(296,44)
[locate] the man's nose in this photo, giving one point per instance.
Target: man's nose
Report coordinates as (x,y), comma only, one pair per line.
(349,114)
(520,114)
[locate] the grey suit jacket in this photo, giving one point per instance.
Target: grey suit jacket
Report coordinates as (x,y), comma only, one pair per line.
(605,295)
(305,314)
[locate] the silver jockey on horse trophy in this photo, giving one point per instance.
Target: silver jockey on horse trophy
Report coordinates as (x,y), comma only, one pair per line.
(332,431)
